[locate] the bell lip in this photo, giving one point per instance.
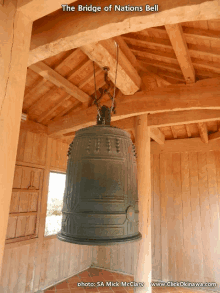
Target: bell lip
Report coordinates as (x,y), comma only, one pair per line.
(96,242)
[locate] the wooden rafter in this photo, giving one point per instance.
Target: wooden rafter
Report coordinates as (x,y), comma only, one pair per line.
(157,135)
(203,132)
(178,42)
(73,34)
(142,41)
(104,54)
(57,79)
(173,131)
(126,50)
(189,134)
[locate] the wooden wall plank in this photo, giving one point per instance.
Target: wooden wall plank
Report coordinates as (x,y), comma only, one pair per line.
(178,219)
(164,227)
(196,221)
(21,145)
(14,265)
(205,216)
(157,274)
(6,270)
(31,267)
(214,208)
(22,269)
(187,218)
(171,217)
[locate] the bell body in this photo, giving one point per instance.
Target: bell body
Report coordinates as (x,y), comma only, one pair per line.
(100,204)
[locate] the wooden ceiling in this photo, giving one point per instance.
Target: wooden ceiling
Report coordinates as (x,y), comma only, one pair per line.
(185,53)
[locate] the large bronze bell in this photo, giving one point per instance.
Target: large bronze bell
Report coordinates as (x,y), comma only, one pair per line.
(100,205)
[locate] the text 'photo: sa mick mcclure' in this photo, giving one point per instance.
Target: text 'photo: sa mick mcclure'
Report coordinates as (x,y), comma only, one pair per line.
(109,8)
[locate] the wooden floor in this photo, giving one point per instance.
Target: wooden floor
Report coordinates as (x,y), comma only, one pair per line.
(99,275)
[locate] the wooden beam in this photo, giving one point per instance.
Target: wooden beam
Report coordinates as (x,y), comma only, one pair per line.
(203,132)
(182,117)
(178,42)
(143,263)
(35,9)
(157,135)
(214,136)
(128,123)
(57,79)
(73,33)
(187,144)
(104,54)
(14,47)
(33,127)
(126,51)
(204,94)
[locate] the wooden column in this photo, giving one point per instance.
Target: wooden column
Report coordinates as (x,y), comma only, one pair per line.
(15,35)
(144,262)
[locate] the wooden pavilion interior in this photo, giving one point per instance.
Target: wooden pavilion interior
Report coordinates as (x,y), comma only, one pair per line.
(167,98)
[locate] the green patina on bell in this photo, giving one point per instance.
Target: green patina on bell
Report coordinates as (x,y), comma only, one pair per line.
(100,205)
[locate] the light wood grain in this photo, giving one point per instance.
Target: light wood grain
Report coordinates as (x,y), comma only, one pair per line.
(143,270)
(157,135)
(201,95)
(178,42)
(73,33)
(203,132)
(54,77)
(104,54)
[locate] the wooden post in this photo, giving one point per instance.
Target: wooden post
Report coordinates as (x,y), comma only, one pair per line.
(15,35)
(144,262)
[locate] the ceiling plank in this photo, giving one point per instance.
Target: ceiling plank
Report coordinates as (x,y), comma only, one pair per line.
(35,9)
(214,136)
(73,33)
(159,71)
(104,54)
(182,117)
(57,79)
(178,42)
(28,97)
(90,78)
(157,135)
(47,113)
(203,94)
(203,132)
(146,73)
